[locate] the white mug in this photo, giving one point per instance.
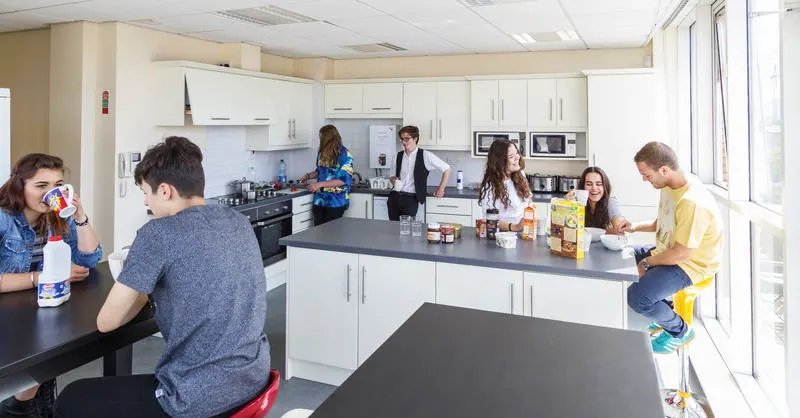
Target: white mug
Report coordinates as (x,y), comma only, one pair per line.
(582,196)
(398,185)
(116,261)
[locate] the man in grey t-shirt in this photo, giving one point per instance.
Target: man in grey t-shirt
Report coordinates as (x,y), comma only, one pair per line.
(202,268)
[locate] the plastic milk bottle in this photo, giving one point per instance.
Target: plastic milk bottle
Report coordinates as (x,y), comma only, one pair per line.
(54,280)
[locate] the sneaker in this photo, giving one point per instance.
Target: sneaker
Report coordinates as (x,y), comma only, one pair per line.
(654,329)
(665,343)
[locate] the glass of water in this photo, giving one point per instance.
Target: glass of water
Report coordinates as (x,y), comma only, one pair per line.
(405,225)
(416,227)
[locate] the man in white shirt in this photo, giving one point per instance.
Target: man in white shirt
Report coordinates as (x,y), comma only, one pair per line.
(411,169)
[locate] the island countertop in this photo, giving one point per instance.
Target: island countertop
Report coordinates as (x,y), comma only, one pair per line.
(382,238)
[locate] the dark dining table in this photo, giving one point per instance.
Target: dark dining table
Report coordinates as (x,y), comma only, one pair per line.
(38,344)
(446,361)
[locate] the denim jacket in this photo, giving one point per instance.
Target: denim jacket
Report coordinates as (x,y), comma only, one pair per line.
(16,244)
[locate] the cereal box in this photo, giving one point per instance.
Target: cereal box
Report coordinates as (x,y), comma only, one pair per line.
(567,218)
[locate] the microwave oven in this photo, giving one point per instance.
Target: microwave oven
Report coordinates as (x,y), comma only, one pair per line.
(552,144)
(483,141)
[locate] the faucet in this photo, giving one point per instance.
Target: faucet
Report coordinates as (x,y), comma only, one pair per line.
(356,173)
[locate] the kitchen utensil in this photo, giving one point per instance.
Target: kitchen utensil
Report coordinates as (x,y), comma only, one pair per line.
(595,233)
(614,242)
(566,183)
(543,182)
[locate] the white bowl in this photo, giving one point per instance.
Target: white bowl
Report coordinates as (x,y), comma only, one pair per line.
(115,262)
(614,242)
(506,239)
(596,233)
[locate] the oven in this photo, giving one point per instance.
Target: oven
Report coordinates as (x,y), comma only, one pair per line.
(552,144)
(482,141)
(271,222)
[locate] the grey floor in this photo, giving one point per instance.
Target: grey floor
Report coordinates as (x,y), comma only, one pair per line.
(296,393)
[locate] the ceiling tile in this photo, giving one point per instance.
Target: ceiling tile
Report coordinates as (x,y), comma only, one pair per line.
(195,23)
(217,5)
(594,7)
(481,38)
(333,9)
(418,7)
(377,26)
(26,20)
(113,10)
(540,16)
(628,24)
(31,4)
(435,18)
(555,46)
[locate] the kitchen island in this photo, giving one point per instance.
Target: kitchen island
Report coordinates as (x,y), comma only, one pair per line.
(353,282)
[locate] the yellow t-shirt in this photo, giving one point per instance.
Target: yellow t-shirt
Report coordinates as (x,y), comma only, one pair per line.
(689,216)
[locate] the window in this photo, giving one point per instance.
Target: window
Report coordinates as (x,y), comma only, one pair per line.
(694,134)
(766,140)
(722,283)
(720,80)
(769,322)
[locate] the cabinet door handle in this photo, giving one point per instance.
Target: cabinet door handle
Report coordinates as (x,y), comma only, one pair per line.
(492,109)
(366,209)
(551,109)
(342,108)
(306,204)
(220,118)
(260,118)
(363,284)
(432,131)
(349,269)
(512,298)
(440,129)
(561,109)
(531,301)
(502,109)
(381,108)
(290,128)
(294,128)
(447,206)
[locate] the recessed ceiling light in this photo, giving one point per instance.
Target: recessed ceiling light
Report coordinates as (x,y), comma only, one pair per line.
(567,35)
(523,38)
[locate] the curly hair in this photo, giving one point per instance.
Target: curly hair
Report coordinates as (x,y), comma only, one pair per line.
(495,174)
(12,193)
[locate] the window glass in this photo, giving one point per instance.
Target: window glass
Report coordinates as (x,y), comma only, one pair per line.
(720,79)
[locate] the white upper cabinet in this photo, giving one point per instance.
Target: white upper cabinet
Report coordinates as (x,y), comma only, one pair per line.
(290,120)
(383,98)
(212,97)
(300,112)
(363,100)
(557,104)
(343,99)
(499,103)
(441,111)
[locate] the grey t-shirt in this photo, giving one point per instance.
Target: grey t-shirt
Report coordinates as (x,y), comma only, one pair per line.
(613,208)
(203,271)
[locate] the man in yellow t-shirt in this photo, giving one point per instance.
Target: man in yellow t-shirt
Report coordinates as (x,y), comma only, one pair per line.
(688,245)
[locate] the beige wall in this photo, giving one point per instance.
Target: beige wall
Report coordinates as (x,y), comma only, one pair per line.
(486,64)
(275,64)
(25,69)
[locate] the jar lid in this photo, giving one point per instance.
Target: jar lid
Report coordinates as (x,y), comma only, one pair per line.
(497,211)
(433,225)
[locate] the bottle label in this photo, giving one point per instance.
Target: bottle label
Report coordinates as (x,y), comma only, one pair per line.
(54,290)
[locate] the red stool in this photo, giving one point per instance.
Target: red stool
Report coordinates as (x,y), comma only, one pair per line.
(260,406)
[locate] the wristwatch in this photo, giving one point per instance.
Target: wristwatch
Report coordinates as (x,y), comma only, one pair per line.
(645,265)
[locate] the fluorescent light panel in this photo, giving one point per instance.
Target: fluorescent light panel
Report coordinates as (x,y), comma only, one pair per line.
(523,38)
(567,35)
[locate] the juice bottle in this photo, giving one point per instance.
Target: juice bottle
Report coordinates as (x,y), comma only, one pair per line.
(529,223)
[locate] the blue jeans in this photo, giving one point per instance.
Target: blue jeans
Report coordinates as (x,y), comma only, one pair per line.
(647,295)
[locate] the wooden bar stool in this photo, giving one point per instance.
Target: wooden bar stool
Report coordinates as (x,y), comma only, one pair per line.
(681,401)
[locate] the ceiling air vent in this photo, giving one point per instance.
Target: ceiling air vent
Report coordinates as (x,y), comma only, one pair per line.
(381,47)
(265,16)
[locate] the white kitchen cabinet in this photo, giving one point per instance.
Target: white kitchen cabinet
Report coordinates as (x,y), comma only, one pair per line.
(441,112)
(291,110)
(558,103)
(213,97)
(621,120)
(576,299)
(360,206)
(499,103)
(301,110)
(323,307)
(343,99)
(476,287)
(302,215)
(449,210)
(442,218)
(390,290)
(383,98)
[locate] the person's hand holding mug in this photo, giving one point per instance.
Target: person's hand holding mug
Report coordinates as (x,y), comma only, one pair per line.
(80,214)
(570,195)
(78,273)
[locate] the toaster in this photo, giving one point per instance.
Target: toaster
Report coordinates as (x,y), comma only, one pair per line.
(543,183)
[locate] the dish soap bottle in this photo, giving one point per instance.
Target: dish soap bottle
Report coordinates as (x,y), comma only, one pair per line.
(53,289)
(529,223)
(282,172)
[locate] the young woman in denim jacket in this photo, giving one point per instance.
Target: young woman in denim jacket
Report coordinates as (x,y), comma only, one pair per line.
(25,224)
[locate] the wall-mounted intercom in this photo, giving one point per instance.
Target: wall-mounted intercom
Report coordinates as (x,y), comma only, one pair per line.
(127,162)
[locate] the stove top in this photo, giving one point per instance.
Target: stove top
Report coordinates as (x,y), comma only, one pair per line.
(238,200)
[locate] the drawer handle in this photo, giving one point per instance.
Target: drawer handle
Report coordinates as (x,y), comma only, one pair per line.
(260,118)
(220,118)
(342,108)
(306,221)
(381,108)
(447,206)
(306,204)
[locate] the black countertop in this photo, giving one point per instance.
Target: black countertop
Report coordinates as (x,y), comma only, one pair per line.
(382,238)
(456,362)
(465,193)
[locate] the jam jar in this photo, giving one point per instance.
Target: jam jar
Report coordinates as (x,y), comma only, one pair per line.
(434,234)
(448,233)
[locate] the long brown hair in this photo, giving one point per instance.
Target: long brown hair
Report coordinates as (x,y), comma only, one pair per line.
(330,144)
(599,217)
(496,172)
(12,193)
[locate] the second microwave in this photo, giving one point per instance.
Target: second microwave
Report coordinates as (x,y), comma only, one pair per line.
(482,141)
(552,144)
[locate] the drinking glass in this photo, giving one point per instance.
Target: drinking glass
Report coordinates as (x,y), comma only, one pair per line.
(416,227)
(405,225)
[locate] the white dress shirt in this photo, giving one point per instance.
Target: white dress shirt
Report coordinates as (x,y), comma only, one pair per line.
(407,168)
